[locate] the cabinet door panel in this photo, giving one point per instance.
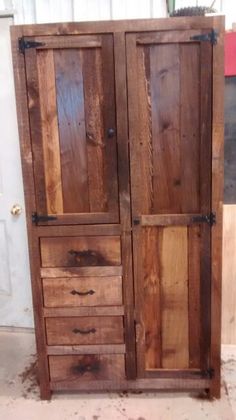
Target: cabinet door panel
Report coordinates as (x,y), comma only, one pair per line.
(169,92)
(72,120)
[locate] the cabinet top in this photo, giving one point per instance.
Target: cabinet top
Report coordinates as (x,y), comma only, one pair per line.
(110,26)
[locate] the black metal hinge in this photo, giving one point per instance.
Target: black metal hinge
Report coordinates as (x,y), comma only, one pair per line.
(24,44)
(210,37)
(208,373)
(205,218)
(36,218)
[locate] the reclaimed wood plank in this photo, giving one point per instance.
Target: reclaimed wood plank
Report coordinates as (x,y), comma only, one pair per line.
(50,135)
(174,293)
(71,119)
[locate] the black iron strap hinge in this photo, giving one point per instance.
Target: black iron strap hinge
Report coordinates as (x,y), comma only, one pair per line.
(210,37)
(208,373)
(36,218)
(25,44)
(205,218)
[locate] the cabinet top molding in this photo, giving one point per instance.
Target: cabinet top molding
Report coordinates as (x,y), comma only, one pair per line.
(110,26)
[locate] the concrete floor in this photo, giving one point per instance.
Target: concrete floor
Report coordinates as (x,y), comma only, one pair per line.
(19,395)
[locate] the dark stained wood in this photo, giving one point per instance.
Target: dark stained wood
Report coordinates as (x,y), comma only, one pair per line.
(95,136)
(124,195)
(170,219)
(30,204)
(80,251)
(84,291)
(168,36)
(151,285)
(109,123)
(173,383)
(71,119)
(121,26)
(86,368)
(189,127)
(84,330)
(216,202)
(86,230)
(33,107)
(205,199)
(165,97)
(178,247)
(194,298)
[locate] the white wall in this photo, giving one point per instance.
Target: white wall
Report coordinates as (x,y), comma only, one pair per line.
(40,11)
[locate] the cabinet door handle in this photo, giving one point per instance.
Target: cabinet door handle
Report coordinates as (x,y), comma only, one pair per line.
(76,292)
(78,331)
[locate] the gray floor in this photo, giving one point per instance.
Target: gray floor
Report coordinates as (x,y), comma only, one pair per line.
(19,395)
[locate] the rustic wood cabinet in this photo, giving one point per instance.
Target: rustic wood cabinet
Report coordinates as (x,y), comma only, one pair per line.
(121,128)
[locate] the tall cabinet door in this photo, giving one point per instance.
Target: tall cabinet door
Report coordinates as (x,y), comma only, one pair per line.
(169,98)
(71,99)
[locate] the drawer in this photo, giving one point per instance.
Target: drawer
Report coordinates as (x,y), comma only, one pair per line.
(82,291)
(84,330)
(87,368)
(80,251)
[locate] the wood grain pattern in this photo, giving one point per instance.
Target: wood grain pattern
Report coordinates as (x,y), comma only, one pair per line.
(194,297)
(95,136)
(165,97)
(86,368)
(80,251)
(85,291)
(151,296)
(50,136)
(124,201)
(189,127)
(84,330)
(216,203)
(174,293)
(81,271)
(71,119)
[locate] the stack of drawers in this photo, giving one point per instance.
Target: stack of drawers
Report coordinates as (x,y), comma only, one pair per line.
(83,309)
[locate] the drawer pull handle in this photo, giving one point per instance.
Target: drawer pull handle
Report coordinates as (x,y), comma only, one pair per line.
(78,331)
(89,292)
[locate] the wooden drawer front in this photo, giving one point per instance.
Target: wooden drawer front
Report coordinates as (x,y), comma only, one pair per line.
(84,330)
(80,251)
(87,367)
(82,291)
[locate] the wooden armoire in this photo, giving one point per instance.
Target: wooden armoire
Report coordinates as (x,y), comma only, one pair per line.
(121,130)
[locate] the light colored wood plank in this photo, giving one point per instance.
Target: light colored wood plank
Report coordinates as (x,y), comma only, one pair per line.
(174,298)
(81,271)
(229,275)
(84,311)
(169,219)
(84,291)
(84,330)
(50,135)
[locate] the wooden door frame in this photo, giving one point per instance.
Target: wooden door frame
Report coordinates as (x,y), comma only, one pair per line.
(119,28)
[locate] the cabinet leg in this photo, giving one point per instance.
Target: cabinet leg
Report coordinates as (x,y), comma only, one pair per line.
(45,392)
(215,389)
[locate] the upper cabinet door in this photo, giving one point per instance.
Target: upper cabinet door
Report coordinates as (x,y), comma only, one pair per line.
(71,97)
(170,99)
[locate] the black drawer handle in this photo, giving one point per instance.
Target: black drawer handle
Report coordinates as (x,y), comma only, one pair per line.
(89,292)
(78,331)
